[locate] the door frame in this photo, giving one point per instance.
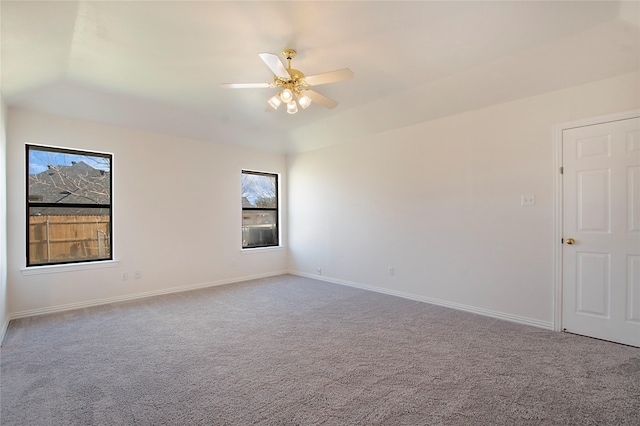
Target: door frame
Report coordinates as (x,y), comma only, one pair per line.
(558,129)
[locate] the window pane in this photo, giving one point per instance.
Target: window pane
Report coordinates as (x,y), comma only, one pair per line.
(56,177)
(68,206)
(259,191)
(259,228)
(58,235)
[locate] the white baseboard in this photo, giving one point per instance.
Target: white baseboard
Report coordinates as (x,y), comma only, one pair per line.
(471,309)
(134,296)
(97,302)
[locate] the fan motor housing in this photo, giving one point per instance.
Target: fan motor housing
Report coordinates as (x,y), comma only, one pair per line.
(295,82)
(295,74)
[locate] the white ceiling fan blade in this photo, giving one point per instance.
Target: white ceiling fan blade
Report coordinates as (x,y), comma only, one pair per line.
(321,99)
(329,77)
(275,65)
(245,85)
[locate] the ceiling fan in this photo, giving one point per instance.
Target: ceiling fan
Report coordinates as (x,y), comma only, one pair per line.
(294,85)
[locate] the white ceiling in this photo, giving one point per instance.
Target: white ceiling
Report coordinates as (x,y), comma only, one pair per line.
(157,65)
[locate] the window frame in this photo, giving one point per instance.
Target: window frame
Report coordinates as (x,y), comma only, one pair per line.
(275,209)
(37,204)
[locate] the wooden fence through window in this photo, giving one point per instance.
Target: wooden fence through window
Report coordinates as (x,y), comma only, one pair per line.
(55,239)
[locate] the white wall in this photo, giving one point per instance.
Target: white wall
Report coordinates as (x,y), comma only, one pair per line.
(440,202)
(177,214)
(4,320)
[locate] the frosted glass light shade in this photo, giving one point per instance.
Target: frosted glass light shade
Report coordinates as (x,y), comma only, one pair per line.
(286,95)
(275,101)
(292,107)
(304,101)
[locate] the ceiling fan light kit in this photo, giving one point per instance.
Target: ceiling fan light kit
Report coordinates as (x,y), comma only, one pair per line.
(275,101)
(292,107)
(304,101)
(293,84)
(286,95)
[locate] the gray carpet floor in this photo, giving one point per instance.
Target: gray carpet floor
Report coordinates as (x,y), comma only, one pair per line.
(295,351)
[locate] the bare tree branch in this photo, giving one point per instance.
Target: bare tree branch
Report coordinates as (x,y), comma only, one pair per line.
(90,185)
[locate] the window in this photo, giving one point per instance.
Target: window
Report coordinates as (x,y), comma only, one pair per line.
(68,206)
(259,209)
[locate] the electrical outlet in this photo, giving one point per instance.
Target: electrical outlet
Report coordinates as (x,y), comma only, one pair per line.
(124,276)
(319,271)
(137,275)
(392,270)
(528,200)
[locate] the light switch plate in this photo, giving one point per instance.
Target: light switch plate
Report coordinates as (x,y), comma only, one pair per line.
(528,200)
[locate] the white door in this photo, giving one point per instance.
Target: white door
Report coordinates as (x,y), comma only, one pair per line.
(601,231)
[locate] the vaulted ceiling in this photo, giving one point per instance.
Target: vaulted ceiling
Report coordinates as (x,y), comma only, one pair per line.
(157,65)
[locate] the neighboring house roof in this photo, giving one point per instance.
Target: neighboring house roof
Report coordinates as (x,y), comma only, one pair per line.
(78,183)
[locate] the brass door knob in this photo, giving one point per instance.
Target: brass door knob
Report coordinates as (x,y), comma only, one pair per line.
(570,241)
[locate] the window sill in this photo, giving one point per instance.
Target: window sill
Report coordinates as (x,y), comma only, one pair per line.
(254,250)
(52,269)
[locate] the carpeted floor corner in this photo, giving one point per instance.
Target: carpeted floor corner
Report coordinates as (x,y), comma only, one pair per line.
(295,351)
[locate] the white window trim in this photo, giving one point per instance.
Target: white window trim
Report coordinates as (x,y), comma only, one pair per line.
(254,250)
(69,267)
